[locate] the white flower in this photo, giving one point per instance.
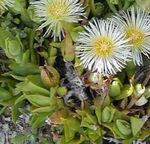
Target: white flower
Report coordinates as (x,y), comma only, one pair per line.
(103,48)
(136,25)
(4,4)
(54,13)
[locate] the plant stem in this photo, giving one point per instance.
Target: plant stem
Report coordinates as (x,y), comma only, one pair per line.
(126,5)
(147,78)
(31,42)
(111,6)
(131,103)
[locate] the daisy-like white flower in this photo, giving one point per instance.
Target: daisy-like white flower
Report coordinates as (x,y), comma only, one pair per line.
(135,23)
(103,48)
(4,4)
(54,13)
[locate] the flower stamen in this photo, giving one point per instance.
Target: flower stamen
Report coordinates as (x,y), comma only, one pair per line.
(54,13)
(103,46)
(57,10)
(136,36)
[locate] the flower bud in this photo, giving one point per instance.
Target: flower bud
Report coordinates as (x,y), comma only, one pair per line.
(95,78)
(50,76)
(61,91)
(115,89)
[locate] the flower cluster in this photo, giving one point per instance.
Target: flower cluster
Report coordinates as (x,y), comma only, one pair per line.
(135,23)
(106,45)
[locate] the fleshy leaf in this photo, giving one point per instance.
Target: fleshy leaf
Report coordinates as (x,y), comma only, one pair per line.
(126,92)
(136,124)
(38,100)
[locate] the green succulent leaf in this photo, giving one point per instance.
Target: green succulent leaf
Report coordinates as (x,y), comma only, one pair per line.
(38,100)
(19,78)
(130,69)
(115,89)
(47,109)
(19,5)
(124,127)
(20,139)
(93,135)
(5,35)
(24,69)
(20,99)
(126,92)
(108,114)
(71,126)
(75,32)
(85,123)
(136,124)
(15,111)
(33,85)
(38,120)
(32,14)
(98,112)
(4,94)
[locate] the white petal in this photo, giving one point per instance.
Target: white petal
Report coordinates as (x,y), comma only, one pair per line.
(139,19)
(72,12)
(94,62)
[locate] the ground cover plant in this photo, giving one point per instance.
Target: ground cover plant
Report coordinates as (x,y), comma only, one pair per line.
(79,69)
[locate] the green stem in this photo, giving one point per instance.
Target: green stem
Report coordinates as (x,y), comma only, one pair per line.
(3,110)
(25,17)
(120,5)
(31,42)
(126,5)
(111,6)
(92,4)
(132,101)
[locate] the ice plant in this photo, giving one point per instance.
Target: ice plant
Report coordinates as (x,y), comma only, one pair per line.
(4,4)
(53,14)
(102,47)
(135,23)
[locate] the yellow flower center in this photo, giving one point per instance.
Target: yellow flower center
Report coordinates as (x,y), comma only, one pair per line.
(103,46)
(135,35)
(57,10)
